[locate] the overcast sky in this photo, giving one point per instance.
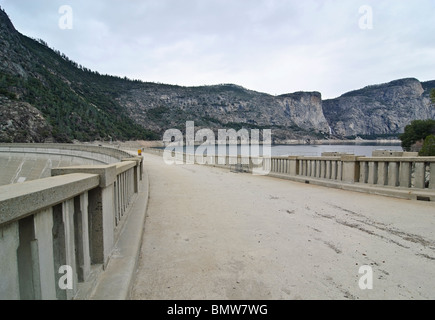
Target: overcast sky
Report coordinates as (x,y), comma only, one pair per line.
(272,46)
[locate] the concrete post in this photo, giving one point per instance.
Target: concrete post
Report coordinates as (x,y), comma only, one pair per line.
(70,250)
(363,172)
(293,169)
(302,167)
(382,173)
(373,172)
(28,262)
(137,172)
(393,174)
(419,175)
(328,169)
(267,164)
(81,229)
(43,224)
(64,247)
(350,168)
(405,174)
(322,171)
(121,191)
(432,176)
(9,277)
(313,168)
(101,209)
(340,170)
(334,170)
(309,168)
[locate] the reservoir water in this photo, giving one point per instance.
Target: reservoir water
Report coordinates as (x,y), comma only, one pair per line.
(359,149)
(317,150)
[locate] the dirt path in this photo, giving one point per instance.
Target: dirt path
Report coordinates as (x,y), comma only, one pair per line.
(213,234)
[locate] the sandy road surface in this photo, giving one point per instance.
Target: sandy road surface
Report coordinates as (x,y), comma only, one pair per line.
(213,234)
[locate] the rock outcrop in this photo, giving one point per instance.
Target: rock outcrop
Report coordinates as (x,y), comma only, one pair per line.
(162,107)
(380,109)
(20,122)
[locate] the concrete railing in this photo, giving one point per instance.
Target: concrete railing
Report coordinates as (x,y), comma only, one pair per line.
(98,154)
(405,172)
(398,174)
(55,232)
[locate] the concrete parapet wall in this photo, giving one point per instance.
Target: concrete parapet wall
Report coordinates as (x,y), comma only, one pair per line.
(18,201)
(70,220)
(389,171)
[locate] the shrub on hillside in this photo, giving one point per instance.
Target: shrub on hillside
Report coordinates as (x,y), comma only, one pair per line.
(428,149)
(418,130)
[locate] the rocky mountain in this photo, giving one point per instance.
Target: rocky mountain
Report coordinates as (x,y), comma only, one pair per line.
(73,101)
(384,109)
(47,97)
(226,106)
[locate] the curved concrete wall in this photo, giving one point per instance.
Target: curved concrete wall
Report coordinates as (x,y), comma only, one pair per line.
(25,162)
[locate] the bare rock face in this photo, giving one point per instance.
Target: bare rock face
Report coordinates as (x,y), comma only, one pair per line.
(20,122)
(12,54)
(290,116)
(379,109)
(305,109)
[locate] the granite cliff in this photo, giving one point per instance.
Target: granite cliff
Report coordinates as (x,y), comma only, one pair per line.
(290,116)
(384,109)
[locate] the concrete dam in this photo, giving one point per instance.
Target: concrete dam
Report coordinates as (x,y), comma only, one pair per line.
(133,227)
(20,163)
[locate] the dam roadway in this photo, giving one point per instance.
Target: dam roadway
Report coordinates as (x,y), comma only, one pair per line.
(215,234)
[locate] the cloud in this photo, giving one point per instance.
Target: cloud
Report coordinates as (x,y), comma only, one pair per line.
(273,46)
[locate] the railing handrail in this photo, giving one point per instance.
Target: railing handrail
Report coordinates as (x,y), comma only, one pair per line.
(396,159)
(124,166)
(18,201)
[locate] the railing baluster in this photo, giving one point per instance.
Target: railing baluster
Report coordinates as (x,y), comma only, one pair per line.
(419,177)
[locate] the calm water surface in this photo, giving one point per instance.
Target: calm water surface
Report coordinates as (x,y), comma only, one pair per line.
(317,150)
(360,149)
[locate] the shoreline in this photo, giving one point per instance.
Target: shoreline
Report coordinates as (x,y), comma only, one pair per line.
(339,142)
(161,144)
